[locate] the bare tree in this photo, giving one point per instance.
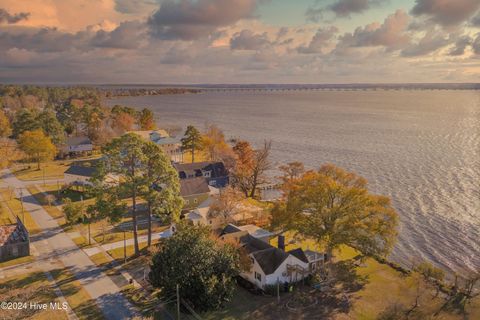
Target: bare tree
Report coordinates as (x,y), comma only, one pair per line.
(260,166)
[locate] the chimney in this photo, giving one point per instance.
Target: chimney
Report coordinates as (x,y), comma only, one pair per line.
(281,242)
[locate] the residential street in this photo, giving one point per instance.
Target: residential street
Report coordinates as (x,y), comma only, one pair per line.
(53,243)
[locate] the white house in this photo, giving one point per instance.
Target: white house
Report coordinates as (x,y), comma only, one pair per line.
(172,146)
(271,265)
(78,175)
(77,145)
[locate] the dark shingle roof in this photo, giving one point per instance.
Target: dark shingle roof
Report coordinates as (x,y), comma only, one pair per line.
(190,187)
(81,171)
(230,228)
(77,141)
(270,259)
(252,244)
(299,254)
(217,168)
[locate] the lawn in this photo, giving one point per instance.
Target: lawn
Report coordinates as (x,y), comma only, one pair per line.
(52,210)
(50,170)
(200,156)
(371,287)
(5,215)
(100,259)
(77,297)
(16,261)
(118,253)
(32,287)
(15,207)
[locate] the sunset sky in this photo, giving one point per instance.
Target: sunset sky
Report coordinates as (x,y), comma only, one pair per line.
(239,41)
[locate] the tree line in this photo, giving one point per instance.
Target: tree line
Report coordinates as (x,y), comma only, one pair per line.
(35,121)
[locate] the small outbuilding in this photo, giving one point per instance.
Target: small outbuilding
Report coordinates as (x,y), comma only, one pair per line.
(14,241)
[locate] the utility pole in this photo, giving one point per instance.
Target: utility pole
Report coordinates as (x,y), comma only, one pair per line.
(88,220)
(124,246)
(23,210)
(178,302)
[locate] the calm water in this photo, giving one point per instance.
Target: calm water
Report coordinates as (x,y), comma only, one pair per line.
(421,148)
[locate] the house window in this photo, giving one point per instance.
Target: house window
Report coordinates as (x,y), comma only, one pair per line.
(258,276)
(187,201)
(195,200)
(207,174)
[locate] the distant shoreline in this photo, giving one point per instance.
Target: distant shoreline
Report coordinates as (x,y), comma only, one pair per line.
(143,90)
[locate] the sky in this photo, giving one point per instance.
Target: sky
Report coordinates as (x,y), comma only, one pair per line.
(239,41)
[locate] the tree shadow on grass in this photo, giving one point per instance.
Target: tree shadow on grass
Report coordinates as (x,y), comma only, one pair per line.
(346,275)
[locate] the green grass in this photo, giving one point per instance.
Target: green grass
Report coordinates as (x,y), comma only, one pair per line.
(16,261)
(5,215)
(77,297)
(200,156)
(36,288)
(100,259)
(80,241)
(51,170)
(15,206)
(52,210)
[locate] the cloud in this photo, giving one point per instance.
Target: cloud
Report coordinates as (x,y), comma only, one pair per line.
(460,46)
(476,20)
(320,40)
(391,34)
(189,19)
(8,18)
(431,42)
(476,45)
(247,40)
(134,6)
(127,35)
(340,8)
(446,12)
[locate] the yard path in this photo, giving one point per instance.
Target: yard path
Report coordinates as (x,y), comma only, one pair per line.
(53,243)
(119,244)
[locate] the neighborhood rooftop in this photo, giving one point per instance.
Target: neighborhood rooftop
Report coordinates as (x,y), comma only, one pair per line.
(81,171)
(76,141)
(12,233)
(217,169)
(193,186)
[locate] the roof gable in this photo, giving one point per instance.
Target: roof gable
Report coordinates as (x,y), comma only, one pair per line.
(217,169)
(299,254)
(77,141)
(190,187)
(270,259)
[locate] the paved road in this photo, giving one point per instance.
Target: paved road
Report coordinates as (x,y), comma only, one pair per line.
(53,242)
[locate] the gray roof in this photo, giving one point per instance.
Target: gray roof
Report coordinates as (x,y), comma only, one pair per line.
(298,253)
(217,169)
(167,140)
(270,259)
(190,187)
(230,228)
(81,171)
(267,256)
(77,141)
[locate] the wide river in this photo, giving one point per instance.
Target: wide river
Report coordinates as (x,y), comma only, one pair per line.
(421,148)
